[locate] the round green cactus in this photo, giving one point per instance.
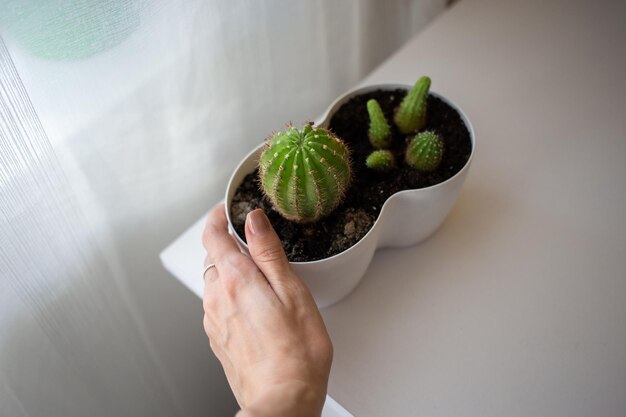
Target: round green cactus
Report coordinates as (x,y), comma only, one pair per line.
(379,132)
(424,152)
(305,173)
(410,116)
(381,161)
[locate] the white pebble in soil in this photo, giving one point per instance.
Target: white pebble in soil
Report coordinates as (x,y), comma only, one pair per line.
(240,210)
(357,222)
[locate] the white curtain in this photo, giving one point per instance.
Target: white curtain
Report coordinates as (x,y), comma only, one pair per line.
(120,122)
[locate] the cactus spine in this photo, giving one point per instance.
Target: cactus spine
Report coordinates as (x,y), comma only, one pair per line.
(424,152)
(305,173)
(379,132)
(382,161)
(411,114)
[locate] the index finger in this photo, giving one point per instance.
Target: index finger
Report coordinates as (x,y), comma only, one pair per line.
(216,239)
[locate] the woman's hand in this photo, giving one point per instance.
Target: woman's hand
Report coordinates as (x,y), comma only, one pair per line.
(262,322)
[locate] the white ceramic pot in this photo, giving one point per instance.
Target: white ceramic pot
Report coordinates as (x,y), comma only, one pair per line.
(406,218)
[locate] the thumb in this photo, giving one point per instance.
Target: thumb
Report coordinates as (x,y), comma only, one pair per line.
(266,249)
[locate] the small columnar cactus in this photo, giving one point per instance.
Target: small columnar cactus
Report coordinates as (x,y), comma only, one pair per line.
(410,116)
(424,152)
(379,132)
(305,173)
(382,161)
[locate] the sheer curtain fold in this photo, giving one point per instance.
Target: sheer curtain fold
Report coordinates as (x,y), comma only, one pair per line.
(120,122)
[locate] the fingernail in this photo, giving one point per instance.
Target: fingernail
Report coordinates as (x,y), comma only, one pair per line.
(258,222)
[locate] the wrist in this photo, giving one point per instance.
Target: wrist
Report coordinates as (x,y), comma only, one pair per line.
(286,400)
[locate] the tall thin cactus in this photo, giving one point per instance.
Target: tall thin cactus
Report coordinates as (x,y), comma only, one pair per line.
(410,116)
(305,173)
(379,132)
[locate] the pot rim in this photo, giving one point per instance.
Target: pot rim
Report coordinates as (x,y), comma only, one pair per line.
(323,120)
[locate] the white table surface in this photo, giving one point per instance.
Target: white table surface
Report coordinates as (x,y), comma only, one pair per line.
(517,305)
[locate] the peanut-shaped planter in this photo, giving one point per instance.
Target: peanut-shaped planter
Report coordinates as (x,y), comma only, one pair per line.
(406,218)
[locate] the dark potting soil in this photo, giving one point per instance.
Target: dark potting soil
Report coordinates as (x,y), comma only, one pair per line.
(369,190)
